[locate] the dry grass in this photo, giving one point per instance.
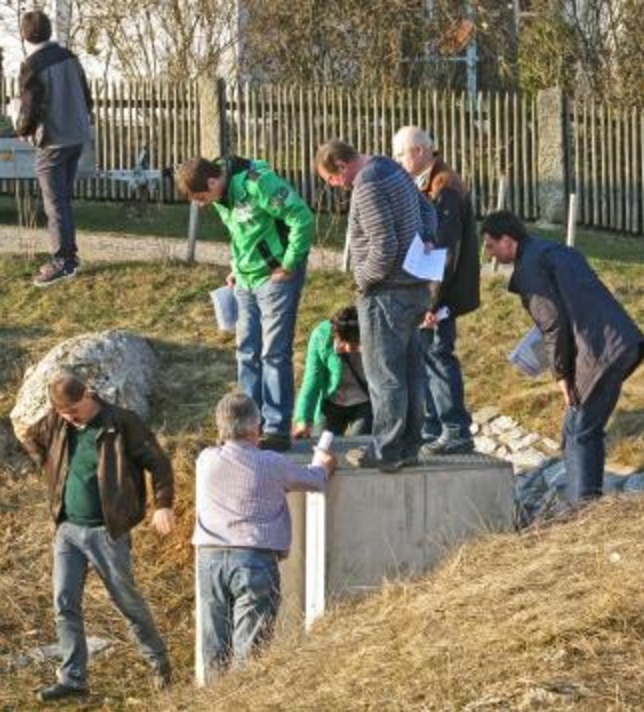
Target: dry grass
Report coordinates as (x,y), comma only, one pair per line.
(512,618)
(552,619)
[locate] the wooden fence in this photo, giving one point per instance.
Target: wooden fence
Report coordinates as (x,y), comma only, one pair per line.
(482,138)
(161,117)
(607,165)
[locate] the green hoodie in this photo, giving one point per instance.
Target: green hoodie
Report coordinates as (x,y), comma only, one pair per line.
(269,223)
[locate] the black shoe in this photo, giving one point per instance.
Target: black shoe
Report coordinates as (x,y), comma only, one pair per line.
(442,446)
(360,458)
(60,691)
(54,272)
(280,442)
(162,676)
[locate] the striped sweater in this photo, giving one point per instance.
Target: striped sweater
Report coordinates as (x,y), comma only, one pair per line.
(387,210)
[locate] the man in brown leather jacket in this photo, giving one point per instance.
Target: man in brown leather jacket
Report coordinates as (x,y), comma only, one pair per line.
(94,456)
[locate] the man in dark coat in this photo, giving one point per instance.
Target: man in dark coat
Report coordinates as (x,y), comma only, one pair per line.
(592,344)
(447,421)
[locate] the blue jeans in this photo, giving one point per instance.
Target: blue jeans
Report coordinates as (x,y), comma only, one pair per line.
(392,363)
(445,411)
(75,547)
(56,170)
(265,333)
(584,435)
(238,599)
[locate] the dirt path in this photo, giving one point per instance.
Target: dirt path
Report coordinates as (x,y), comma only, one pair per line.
(113,247)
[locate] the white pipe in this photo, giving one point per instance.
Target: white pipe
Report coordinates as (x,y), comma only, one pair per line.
(572,220)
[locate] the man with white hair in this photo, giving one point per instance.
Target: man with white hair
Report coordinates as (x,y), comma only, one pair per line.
(242,530)
(447,420)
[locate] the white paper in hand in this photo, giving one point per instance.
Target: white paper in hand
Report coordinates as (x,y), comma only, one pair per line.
(424,264)
(529,355)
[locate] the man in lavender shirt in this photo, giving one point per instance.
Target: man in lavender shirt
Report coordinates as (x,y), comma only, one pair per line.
(242,530)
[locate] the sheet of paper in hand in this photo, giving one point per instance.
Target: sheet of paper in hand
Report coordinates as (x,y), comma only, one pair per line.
(529,355)
(425,262)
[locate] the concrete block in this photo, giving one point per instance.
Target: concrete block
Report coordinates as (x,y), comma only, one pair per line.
(388,526)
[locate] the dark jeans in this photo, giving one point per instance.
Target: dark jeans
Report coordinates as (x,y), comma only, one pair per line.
(265,333)
(445,411)
(391,357)
(584,434)
(346,419)
(238,596)
(75,548)
(56,170)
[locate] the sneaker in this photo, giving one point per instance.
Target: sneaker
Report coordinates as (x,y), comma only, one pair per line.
(162,676)
(442,446)
(61,691)
(55,272)
(360,457)
(280,442)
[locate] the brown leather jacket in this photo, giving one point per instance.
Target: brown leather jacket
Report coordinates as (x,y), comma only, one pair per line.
(460,288)
(126,448)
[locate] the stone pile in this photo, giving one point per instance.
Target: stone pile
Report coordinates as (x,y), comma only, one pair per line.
(501,436)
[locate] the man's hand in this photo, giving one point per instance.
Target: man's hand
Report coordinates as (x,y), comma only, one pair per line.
(327,460)
(163,520)
(301,431)
(570,399)
(430,321)
(230,280)
(279,274)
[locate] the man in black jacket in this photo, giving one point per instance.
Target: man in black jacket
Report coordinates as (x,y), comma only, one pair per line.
(593,345)
(447,421)
(55,103)
(94,456)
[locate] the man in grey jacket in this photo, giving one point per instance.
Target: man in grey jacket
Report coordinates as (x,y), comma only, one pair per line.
(592,344)
(55,103)
(386,214)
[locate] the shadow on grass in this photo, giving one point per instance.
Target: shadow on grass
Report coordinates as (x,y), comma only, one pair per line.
(192,378)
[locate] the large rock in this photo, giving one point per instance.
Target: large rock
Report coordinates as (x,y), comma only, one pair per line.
(121,367)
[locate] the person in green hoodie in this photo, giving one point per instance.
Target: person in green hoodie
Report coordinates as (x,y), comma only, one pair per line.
(334,394)
(271,229)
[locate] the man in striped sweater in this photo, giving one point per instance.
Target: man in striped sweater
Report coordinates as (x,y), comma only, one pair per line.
(386,213)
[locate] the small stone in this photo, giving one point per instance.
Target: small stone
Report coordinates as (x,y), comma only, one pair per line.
(485,445)
(485,415)
(502,424)
(550,444)
(502,452)
(527,459)
(474,428)
(510,436)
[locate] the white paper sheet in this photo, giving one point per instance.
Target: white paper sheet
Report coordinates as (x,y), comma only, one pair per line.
(424,262)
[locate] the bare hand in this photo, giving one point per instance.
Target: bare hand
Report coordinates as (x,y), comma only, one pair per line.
(279,274)
(327,460)
(301,431)
(430,321)
(163,520)
(568,391)
(230,280)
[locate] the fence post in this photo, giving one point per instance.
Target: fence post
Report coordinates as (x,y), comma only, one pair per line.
(212,112)
(552,153)
(572,220)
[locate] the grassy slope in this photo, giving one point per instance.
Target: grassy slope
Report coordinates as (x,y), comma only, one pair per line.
(169,304)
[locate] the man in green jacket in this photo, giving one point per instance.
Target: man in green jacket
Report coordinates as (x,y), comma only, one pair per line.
(271,230)
(94,456)
(334,394)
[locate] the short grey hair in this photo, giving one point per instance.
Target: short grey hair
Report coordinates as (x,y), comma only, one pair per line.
(237,416)
(412,137)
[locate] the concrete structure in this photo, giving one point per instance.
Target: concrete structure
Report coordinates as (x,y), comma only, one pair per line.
(553,144)
(375,526)
(372,526)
